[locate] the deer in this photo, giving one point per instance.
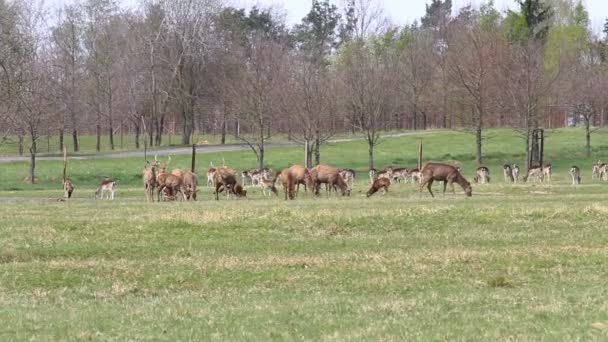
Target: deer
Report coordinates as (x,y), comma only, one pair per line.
(482,175)
(515,171)
(386,173)
(348,175)
(149,177)
(379,184)
(372,175)
(323,174)
(107,185)
(400,174)
(68,189)
(172,185)
(415,175)
(301,176)
(600,171)
(268,187)
(445,173)
(536,172)
(575,173)
(225,178)
(507,171)
(286,178)
(210,171)
(190,185)
(547,171)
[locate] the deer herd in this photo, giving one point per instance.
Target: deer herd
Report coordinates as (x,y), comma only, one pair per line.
(159,184)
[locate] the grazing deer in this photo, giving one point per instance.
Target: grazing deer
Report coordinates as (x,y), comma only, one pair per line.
(535,172)
(507,171)
(68,189)
(515,170)
(575,173)
(379,184)
(267,187)
(415,175)
(287,180)
(547,171)
(258,175)
(108,186)
(482,175)
(400,174)
(225,178)
(323,174)
(300,176)
(445,173)
(348,175)
(386,173)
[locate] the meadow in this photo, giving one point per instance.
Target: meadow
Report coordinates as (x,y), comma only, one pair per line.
(520,262)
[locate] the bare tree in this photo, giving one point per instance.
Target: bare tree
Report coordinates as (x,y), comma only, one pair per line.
(367,83)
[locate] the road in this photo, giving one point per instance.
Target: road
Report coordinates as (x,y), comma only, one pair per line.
(200,149)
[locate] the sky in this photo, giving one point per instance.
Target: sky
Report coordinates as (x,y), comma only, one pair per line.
(406,11)
(400,11)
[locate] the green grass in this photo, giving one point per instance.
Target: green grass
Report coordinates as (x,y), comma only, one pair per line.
(520,262)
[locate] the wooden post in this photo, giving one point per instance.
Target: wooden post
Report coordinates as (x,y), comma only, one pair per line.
(65,163)
(420,156)
(193,166)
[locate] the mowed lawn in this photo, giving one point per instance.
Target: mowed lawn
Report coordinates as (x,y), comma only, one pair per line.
(521,262)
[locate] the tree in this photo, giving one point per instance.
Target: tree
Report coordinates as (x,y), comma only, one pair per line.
(473,71)
(66,44)
(366,80)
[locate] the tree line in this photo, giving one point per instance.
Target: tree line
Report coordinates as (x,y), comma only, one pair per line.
(93,67)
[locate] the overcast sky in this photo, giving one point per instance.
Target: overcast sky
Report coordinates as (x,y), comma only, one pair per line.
(400,11)
(406,11)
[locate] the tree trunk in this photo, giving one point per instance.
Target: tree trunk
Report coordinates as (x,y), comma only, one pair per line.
(98,135)
(588,137)
(61,140)
(137,136)
(111,135)
(33,164)
(224,128)
(186,127)
(20,143)
(261,155)
(528,161)
(478,144)
(371,155)
(317,150)
(75,140)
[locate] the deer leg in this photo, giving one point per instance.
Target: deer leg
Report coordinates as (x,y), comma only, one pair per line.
(429,184)
(445,184)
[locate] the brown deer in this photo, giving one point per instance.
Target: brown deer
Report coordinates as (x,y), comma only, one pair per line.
(107,185)
(380,183)
(68,189)
(190,185)
(178,172)
(445,173)
(225,178)
(323,174)
(173,184)
(287,180)
(149,177)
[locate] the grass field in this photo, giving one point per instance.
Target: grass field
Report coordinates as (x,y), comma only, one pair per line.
(519,262)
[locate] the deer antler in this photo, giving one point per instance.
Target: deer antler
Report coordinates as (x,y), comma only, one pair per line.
(223,162)
(169,160)
(156,157)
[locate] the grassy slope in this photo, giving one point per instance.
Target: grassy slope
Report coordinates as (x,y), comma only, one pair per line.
(525,262)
